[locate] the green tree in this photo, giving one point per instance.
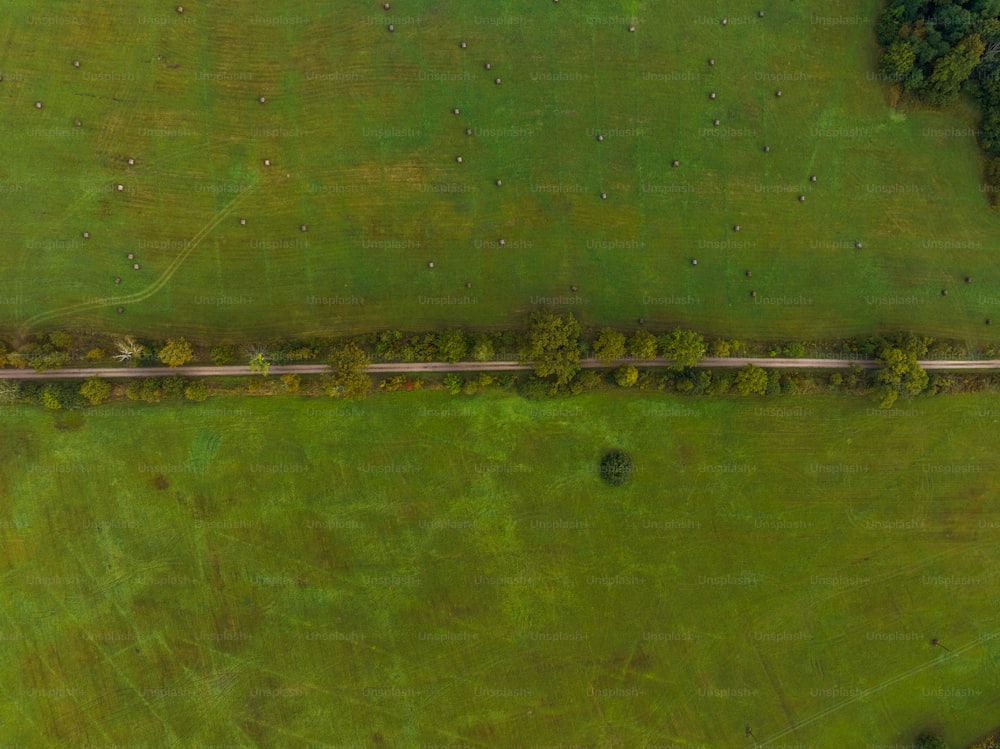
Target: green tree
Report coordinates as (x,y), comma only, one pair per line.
(197,391)
(898,61)
(899,373)
(626,375)
(954,69)
(452,345)
(616,467)
(349,372)
(482,349)
(929,740)
(50,398)
(553,346)
(259,364)
(684,348)
(642,344)
(452,383)
(95,390)
(222,355)
(609,346)
(751,380)
(176,352)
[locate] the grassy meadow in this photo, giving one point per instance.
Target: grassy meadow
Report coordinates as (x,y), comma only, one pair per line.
(359,128)
(423,570)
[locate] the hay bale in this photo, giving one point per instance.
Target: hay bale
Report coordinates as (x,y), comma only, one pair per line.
(86,235)
(76,63)
(675,163)
(604,196)
(499,182)
(462,45)
(430,264)
(135,266)
(38,105)
(118,279)
(458,159)
(391,28)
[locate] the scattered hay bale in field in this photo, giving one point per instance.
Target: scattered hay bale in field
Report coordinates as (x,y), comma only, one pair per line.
(499,182)
(456,110)
(303,228)
(749,274)
(462,45)
(118,279)
(430,264)
(243,222)
(391,28)
(267,162)
(725,21)
(604,196)
(498,81)
(944,292)
(712,95)
(135,266)
(802,198)
(857,245)
(488,66)
(502,242)
(711,61)
(261,99)
(458,159)
(760,14)
(694,261)
(753,293)
(386,6)
(600,138)
(38,105)
(468,131)
(131,162)
(812,178)
(989,321)
(767,149)
(120,310)
(76,63)
(778,93)
(716,122)
(130,256)
(968,279)
(86,235)
(737,227)
(631,29)
(77,123)
(468,284)
(675,163)
(573,288)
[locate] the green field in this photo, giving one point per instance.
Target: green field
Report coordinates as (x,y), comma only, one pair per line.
(422,570)
(359,129)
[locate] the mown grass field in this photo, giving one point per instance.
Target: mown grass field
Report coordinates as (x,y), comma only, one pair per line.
(422,570)
(359,129)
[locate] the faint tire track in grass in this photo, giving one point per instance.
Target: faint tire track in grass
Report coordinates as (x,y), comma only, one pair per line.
(141,296)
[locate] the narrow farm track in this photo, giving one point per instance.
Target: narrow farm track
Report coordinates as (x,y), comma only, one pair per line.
(74,373)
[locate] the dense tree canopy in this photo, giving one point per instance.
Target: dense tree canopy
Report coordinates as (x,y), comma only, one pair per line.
(553,346)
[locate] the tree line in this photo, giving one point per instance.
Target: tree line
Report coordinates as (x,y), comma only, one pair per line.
(552,344)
